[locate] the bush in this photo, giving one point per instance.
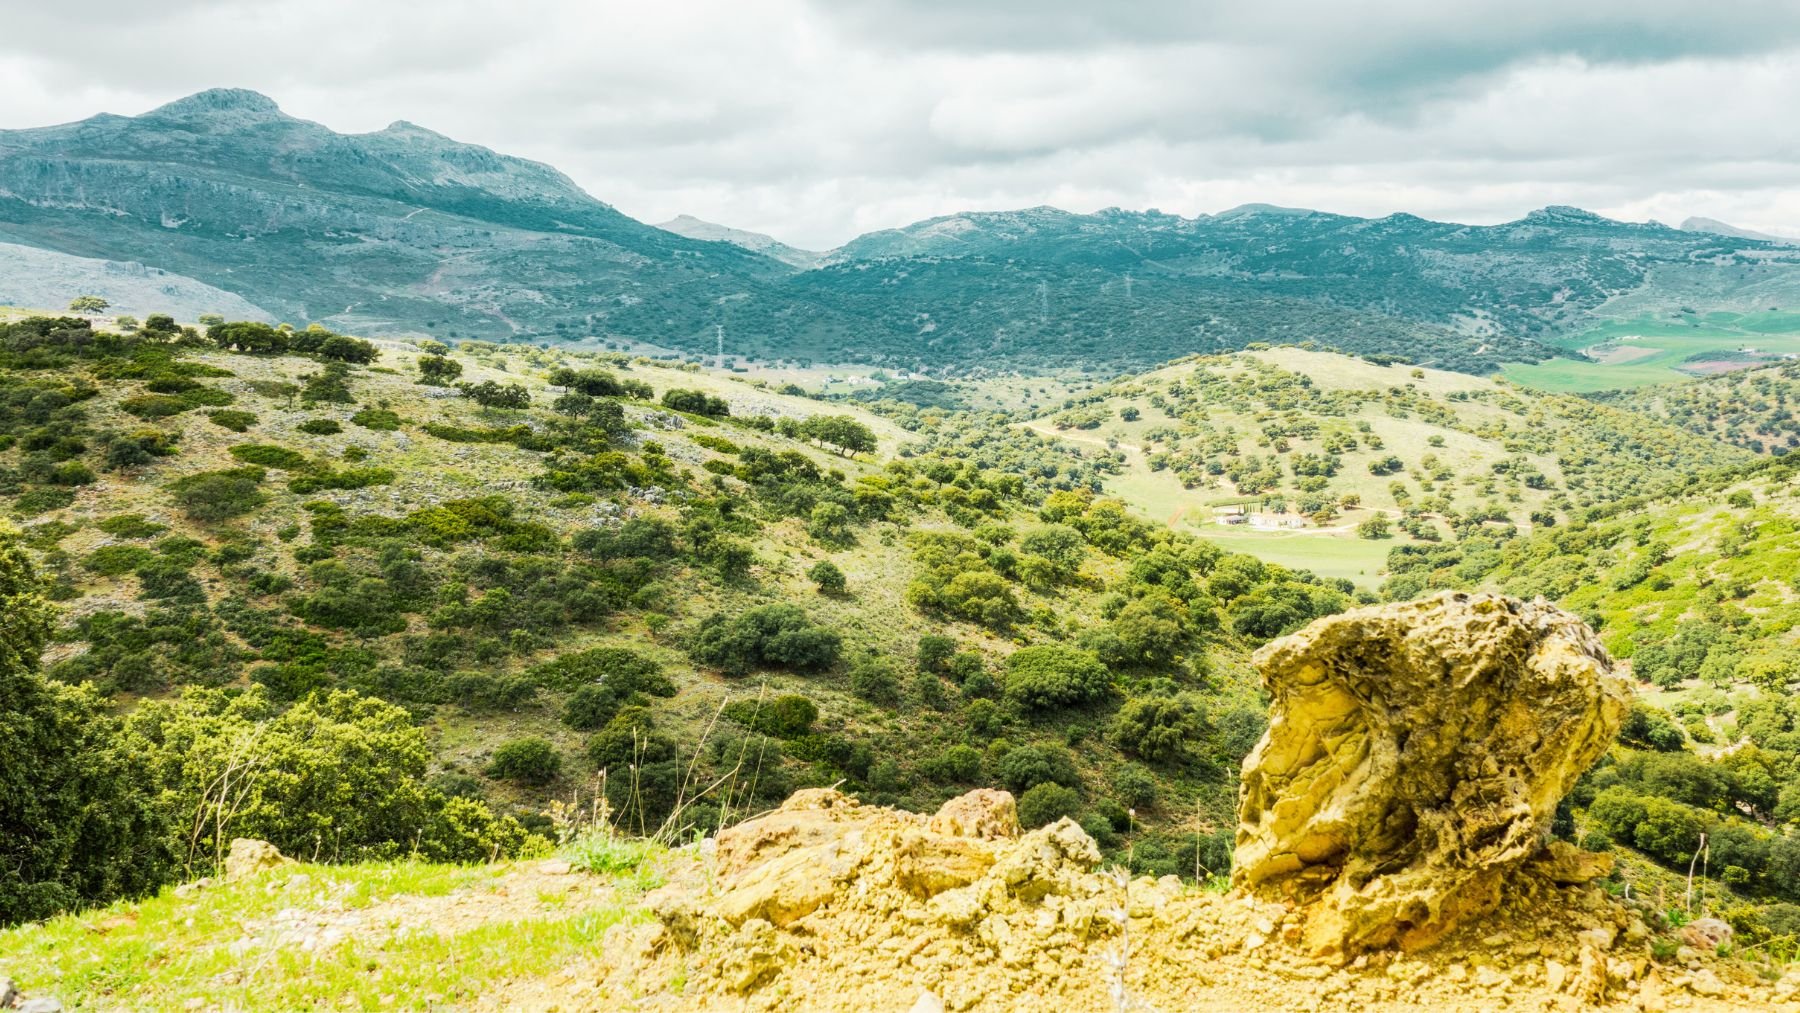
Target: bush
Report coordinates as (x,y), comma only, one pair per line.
(232,419)
(338,768)
(321,427)
(269,457)
(960,764)
(785,717)
(527,761)
(1160,729)
(330,385)
(827,577)
(131,526)
(1045,804)
(694,402)
(1025,767)
(934,653)
(768,636)
(213,496)
(439,370)
(377,418)
(1049,676)
(873,678)
(348,478)
(1649,727)
(984,717)
(1135,786)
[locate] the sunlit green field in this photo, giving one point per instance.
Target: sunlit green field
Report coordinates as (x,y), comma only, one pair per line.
(1328,555)
(1643,351)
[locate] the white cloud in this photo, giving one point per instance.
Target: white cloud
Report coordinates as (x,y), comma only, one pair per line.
(816,121)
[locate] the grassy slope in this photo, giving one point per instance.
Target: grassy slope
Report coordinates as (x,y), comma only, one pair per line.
(396,935)
(874,616)
(1472,442)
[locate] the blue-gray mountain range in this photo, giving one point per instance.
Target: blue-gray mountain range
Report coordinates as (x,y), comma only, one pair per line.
(405,231)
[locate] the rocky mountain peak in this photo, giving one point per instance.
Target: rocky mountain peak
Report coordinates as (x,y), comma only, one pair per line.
(221,103)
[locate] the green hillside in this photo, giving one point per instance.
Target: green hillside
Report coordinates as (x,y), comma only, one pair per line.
(296,556)
(1332,456)
(1751,408)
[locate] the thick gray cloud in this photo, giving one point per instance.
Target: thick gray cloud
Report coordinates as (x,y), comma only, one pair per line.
(817,119)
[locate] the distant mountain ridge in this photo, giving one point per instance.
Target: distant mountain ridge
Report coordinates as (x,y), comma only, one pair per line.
(695,228)
(1719,228)
(405,231)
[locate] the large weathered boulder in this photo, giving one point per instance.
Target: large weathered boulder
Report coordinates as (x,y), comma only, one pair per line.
(1415,755)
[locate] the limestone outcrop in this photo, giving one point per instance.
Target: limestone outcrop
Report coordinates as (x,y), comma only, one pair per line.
(1415,756)
(249,857)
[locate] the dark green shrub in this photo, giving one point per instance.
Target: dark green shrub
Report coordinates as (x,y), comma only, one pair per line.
(269,457)
(79,822)
(153,406)
(768,636)
(439,370)
(960,764)
(827,577)
(935,651)
(377,418)
(1024,767)
(695,402)
(527,761)
(1135,786)
(1050,676)
(630,738)
(785,717)
(232,419)
(872,677)
(330,385)
(638,538)
(1649,727)
(1045,804)
(1161,729)
(984,717)
(42,500)
(321,427)
(117,560)
(131,526)
(213,496)
(479,692)
(928,690)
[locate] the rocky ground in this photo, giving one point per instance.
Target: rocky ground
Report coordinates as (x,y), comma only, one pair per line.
(830,905)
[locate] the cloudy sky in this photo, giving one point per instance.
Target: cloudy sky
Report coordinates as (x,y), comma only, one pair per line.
(815,121)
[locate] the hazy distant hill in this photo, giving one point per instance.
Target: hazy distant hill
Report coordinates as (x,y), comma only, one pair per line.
(405,231)
(696,228)
(1719,228)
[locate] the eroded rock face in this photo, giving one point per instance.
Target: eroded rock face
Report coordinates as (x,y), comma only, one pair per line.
(1415,755)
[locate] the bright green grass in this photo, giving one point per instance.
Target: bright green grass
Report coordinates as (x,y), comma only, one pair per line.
(168,950)
(1673,342)
(1361,560)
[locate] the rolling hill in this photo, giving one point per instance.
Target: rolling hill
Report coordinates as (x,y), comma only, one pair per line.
(1314,445)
